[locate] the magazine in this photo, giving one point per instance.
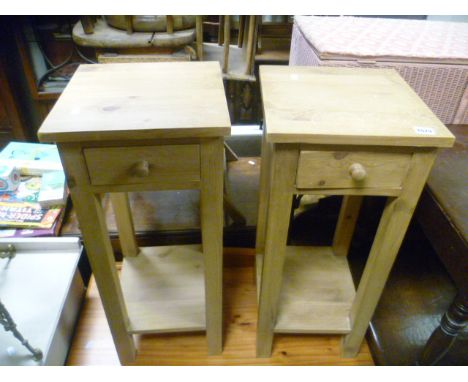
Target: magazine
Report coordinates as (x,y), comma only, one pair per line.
(34,232)
(27,215)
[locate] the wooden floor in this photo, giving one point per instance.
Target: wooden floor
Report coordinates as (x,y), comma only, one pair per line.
(92,344)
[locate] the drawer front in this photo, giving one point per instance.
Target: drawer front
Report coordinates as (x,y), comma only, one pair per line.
(351,169)
(143,164)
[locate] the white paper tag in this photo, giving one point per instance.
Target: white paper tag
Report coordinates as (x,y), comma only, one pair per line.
(423,130)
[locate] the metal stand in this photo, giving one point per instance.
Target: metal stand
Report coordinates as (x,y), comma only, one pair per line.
(5,317)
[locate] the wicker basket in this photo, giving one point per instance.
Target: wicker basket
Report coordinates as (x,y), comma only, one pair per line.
(432,56)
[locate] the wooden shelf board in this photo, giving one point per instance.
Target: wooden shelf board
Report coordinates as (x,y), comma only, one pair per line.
(164,289)
(317,292)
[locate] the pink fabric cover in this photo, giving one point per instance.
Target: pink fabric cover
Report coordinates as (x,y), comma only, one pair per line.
(432,56)
(358,37)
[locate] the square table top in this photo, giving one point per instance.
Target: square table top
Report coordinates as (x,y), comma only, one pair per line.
(354,106)
(140,101)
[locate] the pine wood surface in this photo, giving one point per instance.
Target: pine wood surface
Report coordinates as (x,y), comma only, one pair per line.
(346,106)
(163,289)
(331,169)
(317,292)
(93,345)
(140,101)
(124,220)
(117,165)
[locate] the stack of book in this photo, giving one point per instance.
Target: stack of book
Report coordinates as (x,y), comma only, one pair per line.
(33,191)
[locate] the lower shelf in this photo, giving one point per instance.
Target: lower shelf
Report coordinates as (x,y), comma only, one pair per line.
(164,290)
(316,294)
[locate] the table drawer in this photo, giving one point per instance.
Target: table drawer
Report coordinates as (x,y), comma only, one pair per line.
(351,169)
(143,164)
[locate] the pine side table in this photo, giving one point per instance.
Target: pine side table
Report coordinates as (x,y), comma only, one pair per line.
(336,131)
(147,127)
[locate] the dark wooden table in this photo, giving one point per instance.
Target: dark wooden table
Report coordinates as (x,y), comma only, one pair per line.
(443,215)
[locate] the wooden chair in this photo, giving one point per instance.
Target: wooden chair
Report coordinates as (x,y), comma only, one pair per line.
(237,61)
(138,39)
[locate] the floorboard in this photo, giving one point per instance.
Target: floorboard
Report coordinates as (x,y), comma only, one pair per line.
(92,343)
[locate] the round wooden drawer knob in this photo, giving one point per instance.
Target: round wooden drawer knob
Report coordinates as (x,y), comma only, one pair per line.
(141,169)
(357,172)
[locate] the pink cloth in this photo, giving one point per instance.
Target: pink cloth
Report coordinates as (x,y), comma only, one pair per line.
(432,56)
(379,38)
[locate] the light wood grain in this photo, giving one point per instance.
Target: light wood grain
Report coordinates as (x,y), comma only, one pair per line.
(237,61)
(347,219)
(227,41)
(388,139)
(102,121)
(163,289)
(392,228)
(332,169)
(283,170)
(346,106)
(115,38)
(124,220)
(101,257)
(351,191)
(93,345)
(153,186)
(199,38)
(316,294)
(240,36)
(113,58)
(120,165)
(105,37)
(263,195)
(211,217)
(170,24)
(220,30)
(140,101)
(251,43)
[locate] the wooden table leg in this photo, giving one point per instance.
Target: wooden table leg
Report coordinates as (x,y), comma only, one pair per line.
(263,194)
(283,173)
(211,211)
(199,38)
(124,220)
(392,229)
(93,227)
(347,219)
(240,36)
(443,337)
(101,257)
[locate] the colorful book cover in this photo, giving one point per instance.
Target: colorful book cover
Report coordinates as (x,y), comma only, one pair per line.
(27,191)
(27,215)
(34,232)
(32,158)
(53,189)
(9,177)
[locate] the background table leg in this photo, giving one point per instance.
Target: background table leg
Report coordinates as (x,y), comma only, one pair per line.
(347,219)
(443,337)
(124,220)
